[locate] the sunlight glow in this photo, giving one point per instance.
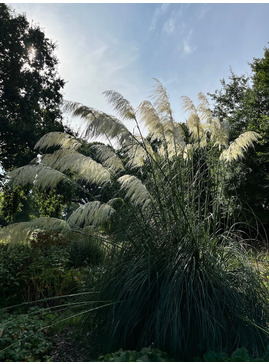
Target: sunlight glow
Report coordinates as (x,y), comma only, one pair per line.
(31,54)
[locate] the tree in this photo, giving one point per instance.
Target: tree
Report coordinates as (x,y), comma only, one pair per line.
(30,88)
(244,103)
(229,103)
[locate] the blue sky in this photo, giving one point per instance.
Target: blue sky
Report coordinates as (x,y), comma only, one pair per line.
(188,47)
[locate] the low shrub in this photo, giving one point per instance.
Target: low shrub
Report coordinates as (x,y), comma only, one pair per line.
(48,275)
(29,274)
(145,354)
(14,263)
(22,337)
(85,252)
(239,355)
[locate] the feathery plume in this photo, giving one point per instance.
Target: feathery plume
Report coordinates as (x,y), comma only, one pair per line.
(161,103)
(239,146)
(219,133)
(40,176)
(99,123)
(57,139)
(92,213)
(135,190)
(138,152)
(85,168)
(188,105)
(120,104)
(204,108)
(108,157)
(21,232)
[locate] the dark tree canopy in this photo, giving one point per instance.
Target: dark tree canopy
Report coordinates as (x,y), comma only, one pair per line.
(244,102)
(30,88)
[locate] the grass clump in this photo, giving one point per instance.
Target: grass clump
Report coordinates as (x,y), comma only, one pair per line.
(186,302)
(182,280)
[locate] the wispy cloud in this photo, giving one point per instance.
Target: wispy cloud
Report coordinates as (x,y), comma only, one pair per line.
(187,48)
(174,22)
(170,25)
(159,12)
(203,10)
(110,66)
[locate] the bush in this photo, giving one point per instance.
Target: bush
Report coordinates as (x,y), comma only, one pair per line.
(179,278)
(28,274)
(48,274)
(146,354)
(239,355)
(85,251)
(13,265)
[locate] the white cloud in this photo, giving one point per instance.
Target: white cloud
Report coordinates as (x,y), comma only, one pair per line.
(169,25)
(159,12)
(174,22)
(187,48)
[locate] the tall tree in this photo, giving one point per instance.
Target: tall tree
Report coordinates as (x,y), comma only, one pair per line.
(244,103)
(30,88)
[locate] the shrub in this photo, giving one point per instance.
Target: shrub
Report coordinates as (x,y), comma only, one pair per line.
(239,355)
(13,264)
(85,251)
(48,274)
(28,274)
(22,337)
(146,354)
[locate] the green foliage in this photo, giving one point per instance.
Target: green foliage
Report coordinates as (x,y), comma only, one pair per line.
(239,355)
(243,102)
(49,204)
(12,264)
(145,354)
(48,276)
(50,264)
(85,252)
(12,203)
(20,204)
(30,88)
(22,337)
(28,274)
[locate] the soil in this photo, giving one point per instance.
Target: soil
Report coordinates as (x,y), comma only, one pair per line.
(66,349)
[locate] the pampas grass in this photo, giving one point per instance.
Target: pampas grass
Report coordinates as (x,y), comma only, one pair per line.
(180,278)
